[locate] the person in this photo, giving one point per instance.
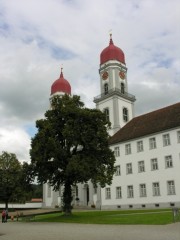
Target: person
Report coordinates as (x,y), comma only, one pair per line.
(6,211)
(3,216)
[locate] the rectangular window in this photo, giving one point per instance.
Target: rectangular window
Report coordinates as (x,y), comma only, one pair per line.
(118,192)
(128,149)
(108,193)
(130,192)
(171,188)
(118,171)
(168,162)
(156,189)
(154,164)
(178,136)
(116,152)
(166,140)
(125,114)
(142,188)
(141,166)
(106,112)
(129,168)
(152,143)
(76,190)
(139,146)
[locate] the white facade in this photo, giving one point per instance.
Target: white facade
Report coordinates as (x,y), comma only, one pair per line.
(147,171)
(114,97)
(155,178)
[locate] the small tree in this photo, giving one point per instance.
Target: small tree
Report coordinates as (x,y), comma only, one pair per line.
(71,146)
(13,178)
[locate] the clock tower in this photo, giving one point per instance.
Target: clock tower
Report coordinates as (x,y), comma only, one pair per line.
(114,100)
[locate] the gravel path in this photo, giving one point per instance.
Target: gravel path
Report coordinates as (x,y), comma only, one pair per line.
(64,231)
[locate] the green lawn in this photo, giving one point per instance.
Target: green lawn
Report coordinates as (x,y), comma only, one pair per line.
(156,217)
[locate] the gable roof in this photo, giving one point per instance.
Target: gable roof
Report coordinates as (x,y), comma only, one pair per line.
(153,122)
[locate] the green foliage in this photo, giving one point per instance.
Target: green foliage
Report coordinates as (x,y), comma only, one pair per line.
(13,179)
(71,146)
(35,191)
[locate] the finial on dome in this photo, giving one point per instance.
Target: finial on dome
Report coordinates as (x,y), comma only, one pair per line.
(110,34)
(61,75)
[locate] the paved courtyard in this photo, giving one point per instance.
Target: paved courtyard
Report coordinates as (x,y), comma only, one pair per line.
(64,231)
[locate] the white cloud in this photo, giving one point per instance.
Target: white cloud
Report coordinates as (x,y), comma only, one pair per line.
(37,37)
(15,140)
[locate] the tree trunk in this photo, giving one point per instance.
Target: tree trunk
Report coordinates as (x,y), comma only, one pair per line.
(67,198)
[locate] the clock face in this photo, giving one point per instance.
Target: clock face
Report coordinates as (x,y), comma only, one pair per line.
(122,75)
(105,75)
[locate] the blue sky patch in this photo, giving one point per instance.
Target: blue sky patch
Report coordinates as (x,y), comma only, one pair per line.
(31,129)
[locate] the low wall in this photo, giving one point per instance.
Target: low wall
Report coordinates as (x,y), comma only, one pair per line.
(23,206)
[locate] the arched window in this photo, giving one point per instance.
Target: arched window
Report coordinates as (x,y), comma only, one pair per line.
(122,88)
(106,111)
(106,88)
(125,114)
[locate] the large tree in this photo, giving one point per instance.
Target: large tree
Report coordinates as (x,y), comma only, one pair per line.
(71,146)
(14,181)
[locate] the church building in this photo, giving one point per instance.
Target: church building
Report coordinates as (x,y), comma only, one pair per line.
(146,147)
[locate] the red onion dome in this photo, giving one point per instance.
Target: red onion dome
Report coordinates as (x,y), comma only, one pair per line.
(112,53)
(61,85)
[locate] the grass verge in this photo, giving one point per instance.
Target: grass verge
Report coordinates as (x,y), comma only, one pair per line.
(146,217)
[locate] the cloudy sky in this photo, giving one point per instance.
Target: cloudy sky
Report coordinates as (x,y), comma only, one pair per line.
(37,37)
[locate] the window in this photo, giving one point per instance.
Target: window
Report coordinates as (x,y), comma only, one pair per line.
(141,166)
(118,171)
(130,192)
(152,143)
(125,114)
(105,88)
(170,188)
(106,112)
(166,140)
(154,164)
(128,149)
(118,192)
(142,188)
(156,189)
(116,152)
(76,190)
(129,168)
(108,193)
(122,88)
(178,136)
(168,162)
(140,146)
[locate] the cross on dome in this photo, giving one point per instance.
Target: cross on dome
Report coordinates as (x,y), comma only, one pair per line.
(110,34)
(61,74)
